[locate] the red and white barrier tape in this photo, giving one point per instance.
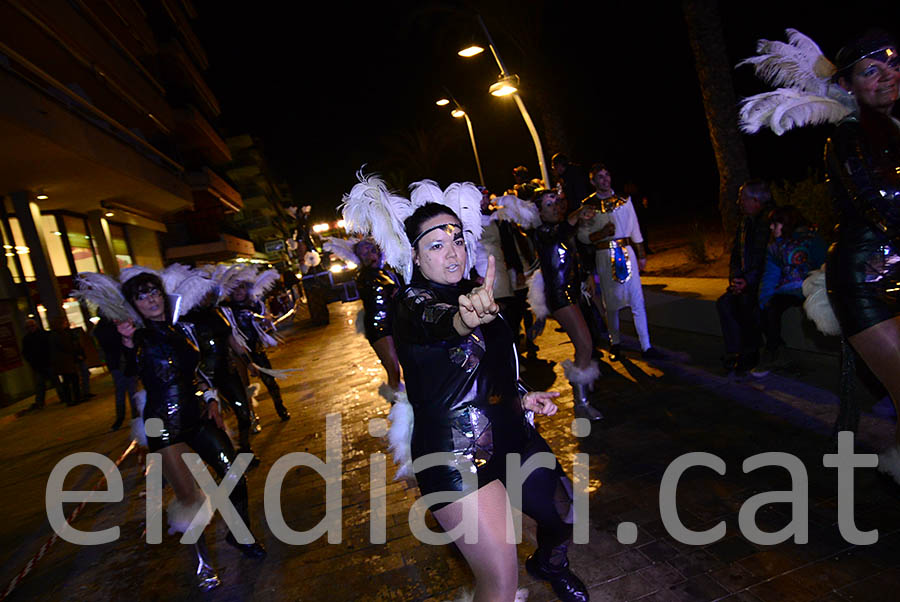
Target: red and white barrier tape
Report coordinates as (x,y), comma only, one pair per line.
(29,566)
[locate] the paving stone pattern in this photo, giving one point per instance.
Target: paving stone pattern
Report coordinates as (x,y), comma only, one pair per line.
(654,413)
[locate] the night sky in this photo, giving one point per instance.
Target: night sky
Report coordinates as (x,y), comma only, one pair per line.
(327,87)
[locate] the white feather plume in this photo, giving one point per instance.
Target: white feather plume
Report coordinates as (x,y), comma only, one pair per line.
(173,274)
(537,298)
(263,283)
(104,293)
(402,421)
(511,208)
(817,305)
(798,64)
(785,108)
(425,191)
(341,247)
(371,209)
(130,272)
(465,199)
(194,288)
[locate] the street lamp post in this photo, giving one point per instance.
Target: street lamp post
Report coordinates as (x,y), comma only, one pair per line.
(459,113)
(507,85)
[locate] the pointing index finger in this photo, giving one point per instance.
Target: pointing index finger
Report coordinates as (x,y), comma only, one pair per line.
(489,276)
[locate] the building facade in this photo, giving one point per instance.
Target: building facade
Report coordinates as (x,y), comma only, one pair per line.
(108,153)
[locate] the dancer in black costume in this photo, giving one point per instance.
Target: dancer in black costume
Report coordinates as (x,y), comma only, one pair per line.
(562,276)
(377,287)
(461,373)
(165,358)
(248,311)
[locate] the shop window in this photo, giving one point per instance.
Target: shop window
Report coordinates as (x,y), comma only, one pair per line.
(120,246)
(80,243)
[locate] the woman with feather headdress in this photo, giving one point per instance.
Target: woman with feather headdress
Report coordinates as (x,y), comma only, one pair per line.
(862,158)
(461,373)
(245,303)
(377,286)
(179,403)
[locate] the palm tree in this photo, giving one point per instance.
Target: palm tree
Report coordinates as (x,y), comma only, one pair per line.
(719,102)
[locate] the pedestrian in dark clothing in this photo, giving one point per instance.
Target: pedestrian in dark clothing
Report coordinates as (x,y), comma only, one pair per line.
(572,181)
(36,350)
(738,308)
(110,341)
(65,353)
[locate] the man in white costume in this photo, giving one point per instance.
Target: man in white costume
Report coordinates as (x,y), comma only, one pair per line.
(610,224)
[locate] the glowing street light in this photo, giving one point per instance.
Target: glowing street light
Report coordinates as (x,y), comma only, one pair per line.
(459,113)
(470,51)
(507,85)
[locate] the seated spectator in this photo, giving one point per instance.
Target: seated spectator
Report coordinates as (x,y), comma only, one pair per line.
(795,250)
(738,308)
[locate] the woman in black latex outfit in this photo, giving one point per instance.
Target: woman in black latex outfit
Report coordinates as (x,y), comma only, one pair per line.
(377,288)
(165,359)
(460,369)
(863,163)
(562,276)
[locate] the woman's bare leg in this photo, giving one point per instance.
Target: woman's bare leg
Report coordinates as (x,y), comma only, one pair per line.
(572,320)
(492,559)
(178,475)
(879,346)
(387,353)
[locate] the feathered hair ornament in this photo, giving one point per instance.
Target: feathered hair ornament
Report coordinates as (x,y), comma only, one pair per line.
(371,209)
(511,208)
(104,293)
(464,199)
(342,248)
(804,94)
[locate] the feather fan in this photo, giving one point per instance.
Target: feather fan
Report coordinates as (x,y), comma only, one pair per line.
(371,209)
(194,288)
(785,108)
(173,274)
(104,293)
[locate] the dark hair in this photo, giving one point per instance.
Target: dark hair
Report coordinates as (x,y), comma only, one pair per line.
(790,219)
(759,190)
(858,48)
(520,169)
(559,159)
(597,166)
(367,241)
(413,224)
(538,196)
(141,283)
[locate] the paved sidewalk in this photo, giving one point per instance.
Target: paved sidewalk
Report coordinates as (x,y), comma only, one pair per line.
(655,413)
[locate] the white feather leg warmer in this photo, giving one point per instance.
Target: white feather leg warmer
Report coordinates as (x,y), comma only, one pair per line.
(399,435)
(581,376)
(537,298)
(469,594)
(889,462)
(817,306)
(180,514)
(138,433)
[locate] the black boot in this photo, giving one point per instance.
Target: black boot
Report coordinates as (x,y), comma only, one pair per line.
(250,550)
(566,585)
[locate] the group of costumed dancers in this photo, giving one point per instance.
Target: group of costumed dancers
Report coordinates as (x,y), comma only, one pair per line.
(191,336)
(450,355)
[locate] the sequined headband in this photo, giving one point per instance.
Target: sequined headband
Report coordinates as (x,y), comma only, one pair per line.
(448,227)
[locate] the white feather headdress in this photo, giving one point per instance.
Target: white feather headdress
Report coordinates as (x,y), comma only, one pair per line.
(804,94)
(511,208)
(104,293)
(130,272)
(341,247)
(263,283)
(464,199)
(371,209)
